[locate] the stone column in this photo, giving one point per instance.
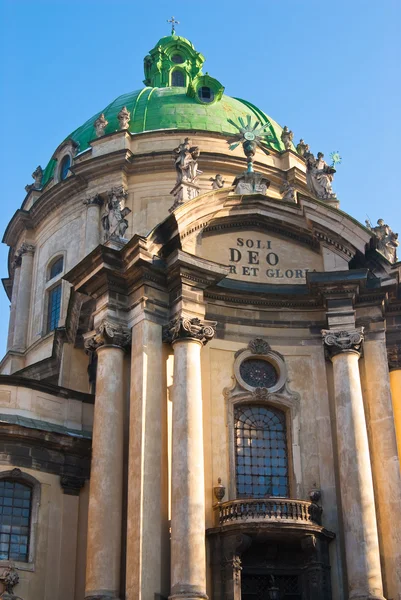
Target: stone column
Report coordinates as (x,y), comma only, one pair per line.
(23,304)
(384,458)
(106,481)
(394,363)
(188,553)
(13,307)
(356,484)
(92,230)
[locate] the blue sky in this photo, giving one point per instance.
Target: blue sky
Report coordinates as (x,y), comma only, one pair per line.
(330,71)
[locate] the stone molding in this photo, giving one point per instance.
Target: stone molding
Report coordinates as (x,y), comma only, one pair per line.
(189,328)
(336,342)
(107,334)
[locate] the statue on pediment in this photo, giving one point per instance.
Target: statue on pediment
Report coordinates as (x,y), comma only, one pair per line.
(288,191)
(217,182)
(302,148)
(186,162)
(319,176)
(387,240)
(113,219)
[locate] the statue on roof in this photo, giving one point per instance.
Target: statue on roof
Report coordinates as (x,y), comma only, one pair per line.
(113,218)
(186,162)
(288,191)
(286,137)
(302,148)
(124,117)
(319,176)
(100,125)
(217,182)
(387,240)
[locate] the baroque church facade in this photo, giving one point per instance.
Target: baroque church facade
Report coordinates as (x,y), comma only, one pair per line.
(201,394)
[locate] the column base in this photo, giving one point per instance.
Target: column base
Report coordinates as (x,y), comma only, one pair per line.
(102,595)
(187,592)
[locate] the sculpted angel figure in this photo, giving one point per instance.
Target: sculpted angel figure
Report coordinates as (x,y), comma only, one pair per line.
(186,162)
(387,242)
(286,137)
(319,176)
(113,219)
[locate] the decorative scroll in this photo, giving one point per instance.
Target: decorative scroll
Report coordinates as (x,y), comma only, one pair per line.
(342,341)
(194,328)
(107,334)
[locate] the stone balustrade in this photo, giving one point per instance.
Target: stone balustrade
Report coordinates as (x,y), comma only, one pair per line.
(268,509)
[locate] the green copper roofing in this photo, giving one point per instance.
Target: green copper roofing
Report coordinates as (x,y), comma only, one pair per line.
(155,109)
(166,40)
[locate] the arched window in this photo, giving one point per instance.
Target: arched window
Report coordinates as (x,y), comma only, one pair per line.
(206,94)
(178,78)
(15,517)
(177,59)
(261,460)
(55,267)
(64,167)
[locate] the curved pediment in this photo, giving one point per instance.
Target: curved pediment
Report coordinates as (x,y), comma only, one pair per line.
(262,239)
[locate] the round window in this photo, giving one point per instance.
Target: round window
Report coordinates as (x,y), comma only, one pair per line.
(177,59)
(205,94)
(64,167)
(258,373)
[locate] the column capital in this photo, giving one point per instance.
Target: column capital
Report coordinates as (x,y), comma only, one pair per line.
(394,357)
(25,248)
(95,200)
(107,334)
(339,341)
(183,328)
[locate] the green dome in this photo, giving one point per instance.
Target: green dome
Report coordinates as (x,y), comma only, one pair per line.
(155,109)
(166,40)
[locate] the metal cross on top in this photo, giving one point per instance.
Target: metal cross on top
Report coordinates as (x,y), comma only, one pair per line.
(173,24)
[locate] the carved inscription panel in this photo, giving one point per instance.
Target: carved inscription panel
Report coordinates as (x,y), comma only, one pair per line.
(261,258)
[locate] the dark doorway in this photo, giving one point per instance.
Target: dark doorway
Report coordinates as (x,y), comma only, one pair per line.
(256,587)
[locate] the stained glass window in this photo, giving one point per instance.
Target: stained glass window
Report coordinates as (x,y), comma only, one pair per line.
(15,514)
(178,78)
(53,308)
(260,451)
(257,372)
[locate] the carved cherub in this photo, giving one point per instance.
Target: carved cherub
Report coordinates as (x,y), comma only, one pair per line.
(217,182)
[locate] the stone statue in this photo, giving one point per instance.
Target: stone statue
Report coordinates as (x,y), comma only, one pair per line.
(387,240)
(186,162)
(124,117)
(287,137)
(217,182)
(288,191)
(113,219)
(37,175)
(302,148)
(100,125)
(319,176)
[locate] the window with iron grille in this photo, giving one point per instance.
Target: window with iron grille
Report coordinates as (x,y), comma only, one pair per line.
(15,515)
(53,308)
(260,451)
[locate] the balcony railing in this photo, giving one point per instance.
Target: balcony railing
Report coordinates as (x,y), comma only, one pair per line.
(269,509)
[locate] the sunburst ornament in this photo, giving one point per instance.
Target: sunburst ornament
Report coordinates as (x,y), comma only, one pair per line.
(251,136)
(335,158)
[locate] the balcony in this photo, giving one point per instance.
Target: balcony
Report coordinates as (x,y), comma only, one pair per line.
(268,510)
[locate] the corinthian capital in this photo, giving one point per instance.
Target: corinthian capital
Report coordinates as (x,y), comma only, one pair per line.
(184,327)
(342,341)
(107,334)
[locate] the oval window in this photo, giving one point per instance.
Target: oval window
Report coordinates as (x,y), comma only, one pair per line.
(177,59)
(205,94)
(257,372)
(64,167)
